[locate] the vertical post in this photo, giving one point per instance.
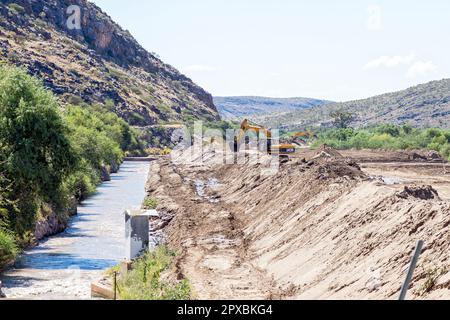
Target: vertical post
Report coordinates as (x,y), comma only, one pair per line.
(411,268)
(115,285)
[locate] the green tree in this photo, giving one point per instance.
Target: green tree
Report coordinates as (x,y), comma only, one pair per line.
(342,119)
(36,154)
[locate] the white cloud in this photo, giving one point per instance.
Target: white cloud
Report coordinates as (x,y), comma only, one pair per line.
(420,69)
(199,68)
(390,61)
(416,67)
(374,20)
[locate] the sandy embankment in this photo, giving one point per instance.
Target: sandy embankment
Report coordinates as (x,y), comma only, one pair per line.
(322,229)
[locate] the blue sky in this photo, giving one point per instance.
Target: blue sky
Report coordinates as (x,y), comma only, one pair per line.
(336,50)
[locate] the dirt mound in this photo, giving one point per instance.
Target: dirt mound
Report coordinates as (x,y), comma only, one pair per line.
(434,156)
(327,152)
(317,229)
(336,169)
(419,192)
(417,157)
(430,155)
(328,163)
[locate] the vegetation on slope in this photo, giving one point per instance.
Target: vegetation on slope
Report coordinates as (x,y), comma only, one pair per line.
(145,280)
(36,152)
(425,105)
(387,136)
(49,155)
(102,139)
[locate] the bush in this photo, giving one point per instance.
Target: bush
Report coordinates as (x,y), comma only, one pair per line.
(136,119)
(36,154)
(150,203)
(100,138)
(16,8)
(47,156)
(144,281)
(8,247)
(389,129)
(387,136)
(83,182)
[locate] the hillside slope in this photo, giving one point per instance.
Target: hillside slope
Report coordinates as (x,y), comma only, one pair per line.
(237,108)
(424,105)
(100,62)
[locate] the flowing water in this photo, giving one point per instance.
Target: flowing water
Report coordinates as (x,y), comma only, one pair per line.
(63,266)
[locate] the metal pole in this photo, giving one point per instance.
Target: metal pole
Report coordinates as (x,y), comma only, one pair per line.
(411,268)
(115,285)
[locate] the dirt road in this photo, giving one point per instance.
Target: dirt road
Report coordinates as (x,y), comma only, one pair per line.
(323,229)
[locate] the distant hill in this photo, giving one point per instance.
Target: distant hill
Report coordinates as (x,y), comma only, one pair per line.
(236,108)
(98,63)
(425,105)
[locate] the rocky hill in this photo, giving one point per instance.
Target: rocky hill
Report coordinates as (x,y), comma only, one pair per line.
(425,105)
(236,108)
(97,63)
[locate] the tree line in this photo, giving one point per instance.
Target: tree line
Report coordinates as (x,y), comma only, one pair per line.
(50,155)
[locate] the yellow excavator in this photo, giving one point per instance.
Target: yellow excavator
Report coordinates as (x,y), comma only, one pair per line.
(283,149)
(302,137)
(304,134)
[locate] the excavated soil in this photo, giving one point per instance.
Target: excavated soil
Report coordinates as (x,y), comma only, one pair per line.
(319,228)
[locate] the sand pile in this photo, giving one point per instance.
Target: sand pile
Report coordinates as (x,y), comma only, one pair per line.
(325,151)
(316,229)
(336,169)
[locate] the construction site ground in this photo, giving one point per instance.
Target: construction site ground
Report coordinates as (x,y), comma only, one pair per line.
(325,225)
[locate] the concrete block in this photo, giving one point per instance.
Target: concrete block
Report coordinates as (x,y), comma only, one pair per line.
(99,290)
(137,232)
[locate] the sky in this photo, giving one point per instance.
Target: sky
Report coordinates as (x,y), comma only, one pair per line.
(325,49)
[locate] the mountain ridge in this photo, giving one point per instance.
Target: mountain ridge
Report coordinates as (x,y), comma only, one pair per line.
(238,107)
(422,105)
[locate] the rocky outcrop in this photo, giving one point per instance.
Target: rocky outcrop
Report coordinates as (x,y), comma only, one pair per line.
(49,226)
(52,222)
(99,62)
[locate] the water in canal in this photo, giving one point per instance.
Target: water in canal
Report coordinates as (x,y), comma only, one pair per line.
(63,266)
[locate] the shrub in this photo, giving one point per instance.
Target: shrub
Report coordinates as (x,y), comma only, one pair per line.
(109,104)
(8,247)
(389,129)
(150,203)
(16,8)
(144,281)
(380,141)
(116,73)
(36,154)
(75,100)
(137,119)
(83,182)
(432,275)
(47,156)
(387,136)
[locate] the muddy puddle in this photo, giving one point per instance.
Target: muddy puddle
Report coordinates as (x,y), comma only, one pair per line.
(202,187)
